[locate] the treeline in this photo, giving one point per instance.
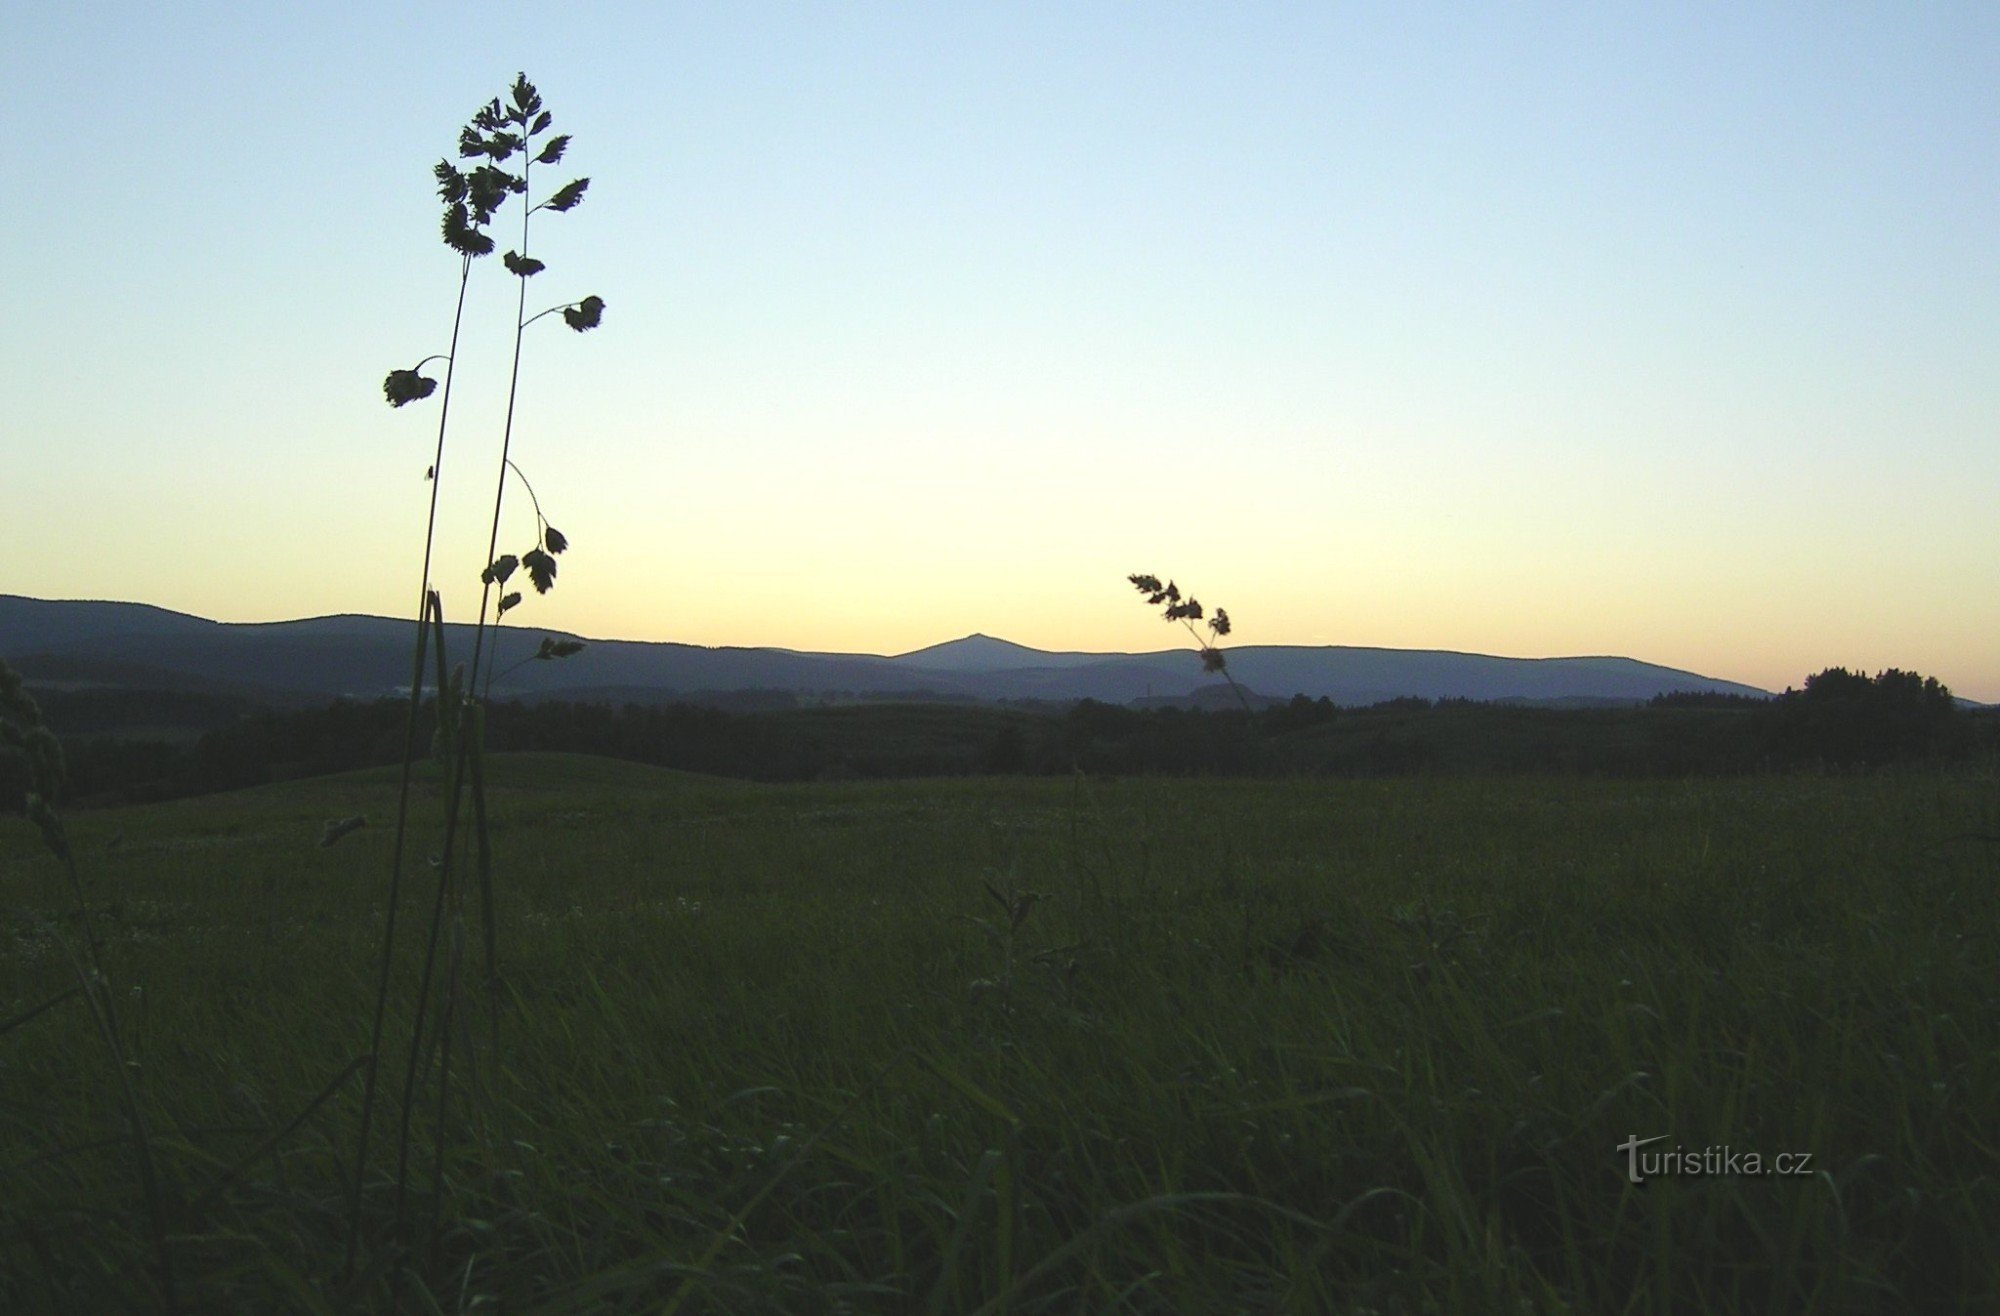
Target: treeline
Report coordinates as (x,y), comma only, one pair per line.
(1839,720)
(1851,718)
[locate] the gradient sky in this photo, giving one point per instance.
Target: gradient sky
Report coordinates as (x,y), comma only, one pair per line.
(1662,330)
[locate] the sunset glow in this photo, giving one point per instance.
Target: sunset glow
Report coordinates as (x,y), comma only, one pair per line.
(1665,333)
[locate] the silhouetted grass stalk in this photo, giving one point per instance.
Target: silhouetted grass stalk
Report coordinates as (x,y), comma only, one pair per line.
(425,598)
(527,114)
(506,448)
(454,746)
(472,197)
(1187,612)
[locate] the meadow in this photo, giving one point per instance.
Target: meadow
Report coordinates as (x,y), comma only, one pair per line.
(1036,1045)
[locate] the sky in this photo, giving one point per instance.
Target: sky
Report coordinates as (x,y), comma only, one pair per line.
(1667,331)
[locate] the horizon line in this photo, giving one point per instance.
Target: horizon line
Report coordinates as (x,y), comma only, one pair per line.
(973,635)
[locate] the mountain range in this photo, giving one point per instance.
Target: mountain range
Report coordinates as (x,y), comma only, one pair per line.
(135,645)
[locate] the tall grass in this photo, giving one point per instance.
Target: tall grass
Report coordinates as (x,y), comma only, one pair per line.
(1324,1046)
(518,131)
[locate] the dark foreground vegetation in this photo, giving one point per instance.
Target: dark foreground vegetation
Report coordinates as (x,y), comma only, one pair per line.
(127,746)
(1025,1045)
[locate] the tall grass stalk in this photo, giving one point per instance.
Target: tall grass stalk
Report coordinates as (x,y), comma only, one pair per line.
(472,196)
(462,749)
(506,447)
(1187,611)
(425,596)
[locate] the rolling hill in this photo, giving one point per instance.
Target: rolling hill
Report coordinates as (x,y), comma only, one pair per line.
(82,643)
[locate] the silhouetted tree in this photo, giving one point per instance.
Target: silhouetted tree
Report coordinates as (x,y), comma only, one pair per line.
(1851,719)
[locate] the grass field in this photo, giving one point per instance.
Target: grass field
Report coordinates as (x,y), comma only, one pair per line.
(1259,1046)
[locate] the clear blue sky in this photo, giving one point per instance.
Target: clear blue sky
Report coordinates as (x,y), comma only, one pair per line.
(1661,330)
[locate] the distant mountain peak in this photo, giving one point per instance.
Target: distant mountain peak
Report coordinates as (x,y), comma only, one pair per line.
(976,646)
(981,654)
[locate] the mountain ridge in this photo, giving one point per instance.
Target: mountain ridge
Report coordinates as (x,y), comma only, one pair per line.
(362,655)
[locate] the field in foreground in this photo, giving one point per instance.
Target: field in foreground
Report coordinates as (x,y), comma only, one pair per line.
(1288,1046)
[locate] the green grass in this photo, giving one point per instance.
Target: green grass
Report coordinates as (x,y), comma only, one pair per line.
(1292,1046)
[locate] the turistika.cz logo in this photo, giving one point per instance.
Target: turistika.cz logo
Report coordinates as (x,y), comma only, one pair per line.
(1710,1162)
